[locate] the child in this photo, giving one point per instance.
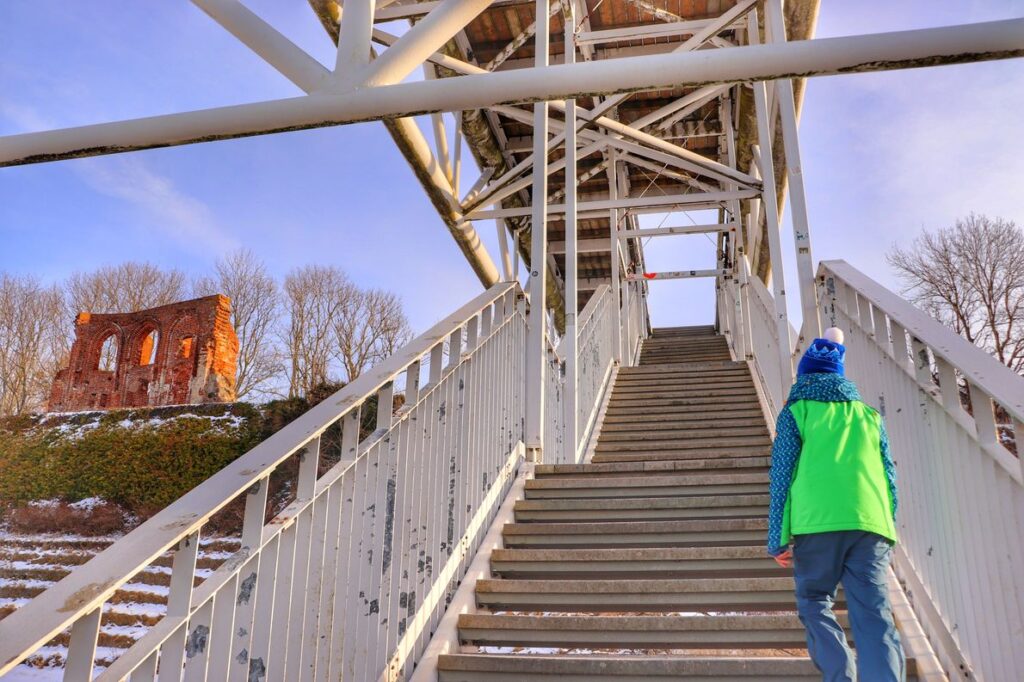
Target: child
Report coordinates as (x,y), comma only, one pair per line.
(833,494)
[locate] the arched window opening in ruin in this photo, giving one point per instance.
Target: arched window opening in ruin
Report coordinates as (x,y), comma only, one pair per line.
(147,349)
(107,361)
(185,346)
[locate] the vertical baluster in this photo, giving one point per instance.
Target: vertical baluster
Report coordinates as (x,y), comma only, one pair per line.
(256,664)
(252,538)
(179,601)
(223,630)
(1018,439)
(309,466)
(146,672)
(949,386)
(881,331)
(899,343)
(922,364)
(320,569)
(984,416)
(197,644)
(852,304)
(82,647)
(340,633)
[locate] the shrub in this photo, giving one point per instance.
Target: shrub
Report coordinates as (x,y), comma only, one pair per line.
(99,518)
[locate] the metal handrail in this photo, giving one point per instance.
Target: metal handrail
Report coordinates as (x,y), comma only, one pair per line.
(78,597)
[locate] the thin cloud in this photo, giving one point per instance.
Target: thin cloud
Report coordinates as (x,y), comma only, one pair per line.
(161,204)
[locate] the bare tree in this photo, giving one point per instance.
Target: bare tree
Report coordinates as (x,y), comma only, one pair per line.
(314,295)
(970,277)
(370,327)
(255,310)
(124,288)
(31,342)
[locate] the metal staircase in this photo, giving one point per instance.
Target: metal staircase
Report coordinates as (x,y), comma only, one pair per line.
(647,562)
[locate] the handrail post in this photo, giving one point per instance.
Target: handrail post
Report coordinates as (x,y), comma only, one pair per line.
(571,255)
(775,25)
(536,351)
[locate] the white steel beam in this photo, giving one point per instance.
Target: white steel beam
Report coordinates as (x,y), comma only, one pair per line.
(613,238)
(693,201)
(426,37)
(682,229)
(263,39)
(571,341)
(593,245)
(675,28)
(821,56)
(536,349)
(794,171)
(678,274)
(354,33)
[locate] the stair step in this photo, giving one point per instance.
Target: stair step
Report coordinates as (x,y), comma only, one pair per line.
(740,401)
(705,430)
(697,443)
(676,424)
(647,386)
(641,562)
(746,631)
(548,471)
(680,366)
(718,594)
(685,409)
(697,453)
(649,486)
(642,508)
(562,668)
(627,668)
(715,396)
(686,533)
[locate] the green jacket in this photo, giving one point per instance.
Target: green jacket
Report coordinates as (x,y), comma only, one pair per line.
(831,468)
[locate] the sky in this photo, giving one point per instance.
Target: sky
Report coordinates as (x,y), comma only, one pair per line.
(885,156)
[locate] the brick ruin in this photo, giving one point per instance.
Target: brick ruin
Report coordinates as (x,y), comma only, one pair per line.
(182,353)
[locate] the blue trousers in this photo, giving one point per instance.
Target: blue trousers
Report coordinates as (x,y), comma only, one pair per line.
(859,560)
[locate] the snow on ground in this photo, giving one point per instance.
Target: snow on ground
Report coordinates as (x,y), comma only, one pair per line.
(61,553)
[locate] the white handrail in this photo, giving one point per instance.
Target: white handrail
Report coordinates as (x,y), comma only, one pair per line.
(961,515)
(486,392)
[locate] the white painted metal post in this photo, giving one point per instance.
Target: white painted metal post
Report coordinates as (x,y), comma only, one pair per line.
(797,196)
(354,34)
(536,351)
(613,220)
(571,255)
(769,201)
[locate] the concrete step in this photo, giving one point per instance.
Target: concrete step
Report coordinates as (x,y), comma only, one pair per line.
(630,668)
(643,562)
(673,455)
(627,423)
(687,533)
(706,430)
(710,391)
(681,367)
(694,409)
(742,400)
(618,668)
(645,384)
(548,471)
(704,483)
(696,443)
(642,508)
(746,631)
(630,596)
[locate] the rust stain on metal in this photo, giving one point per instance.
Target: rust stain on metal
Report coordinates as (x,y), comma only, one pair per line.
(83,596)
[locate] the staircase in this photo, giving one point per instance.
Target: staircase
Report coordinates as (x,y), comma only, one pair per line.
(648,562)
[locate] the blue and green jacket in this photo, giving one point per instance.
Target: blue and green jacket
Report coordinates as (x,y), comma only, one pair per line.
(831,468)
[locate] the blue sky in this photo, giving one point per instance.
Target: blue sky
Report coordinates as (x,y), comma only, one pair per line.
(885,155)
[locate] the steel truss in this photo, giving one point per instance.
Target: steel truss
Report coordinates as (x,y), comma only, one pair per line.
(641,163)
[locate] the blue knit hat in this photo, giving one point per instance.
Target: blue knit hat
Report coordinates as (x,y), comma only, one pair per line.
(822,356)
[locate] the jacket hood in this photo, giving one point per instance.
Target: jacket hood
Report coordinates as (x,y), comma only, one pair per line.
(823,387)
